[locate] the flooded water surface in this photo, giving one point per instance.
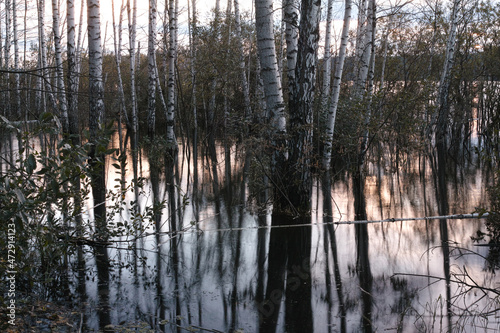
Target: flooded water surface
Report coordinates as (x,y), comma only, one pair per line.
(227,270)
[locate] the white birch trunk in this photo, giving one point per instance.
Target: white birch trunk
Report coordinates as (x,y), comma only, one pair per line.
(152,70)
(444,83)
(7,46)
(299,176)
(96,115)
(117,36)
(72,72)
(172,57)
(16,62)
(291,9)
(443,111)
(337,79)
(61,90)
(193,23)
(327,64)
(365,49)
(43,56)
(244,80)
(268,64)
(96,90)
(132,19)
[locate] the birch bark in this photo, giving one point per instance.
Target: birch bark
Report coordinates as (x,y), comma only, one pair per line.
(17,94)
(444,108)
(72,74)
(61,90)
(244,80)
(269,73)
(117,37)
(132,20)
(337,78)
(327,67)
(291,16)
(172,57)
(152,70)
(96,115)
(299,189)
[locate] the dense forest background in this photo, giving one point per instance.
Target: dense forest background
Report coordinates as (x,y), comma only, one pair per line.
(402,81)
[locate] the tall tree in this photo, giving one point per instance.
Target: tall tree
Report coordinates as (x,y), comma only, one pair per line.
(17,94)
(269,74)
(172,58)
(7,46)
(117,37)
(132,21)
(291,17)
(243,76)
(337,78)
(96,115)
(72,73)
(301,110)
(61,91)
(152,70)
(327,63)
(444,108)
(44,78)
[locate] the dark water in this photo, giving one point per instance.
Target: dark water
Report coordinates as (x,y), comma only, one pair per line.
(412,276)
(227,271)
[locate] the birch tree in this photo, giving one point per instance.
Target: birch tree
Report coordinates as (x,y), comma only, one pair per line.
(243,76)
(193,54)
(327,67)
(337,78)
(17,94)
(291,17)
(444,108)
(43,57)
(152,70)
(364,48)
(132,20)
(7,47)
(96,115)
(72,74)
(61,91)
(301,110)
(117,36)
(172,57)
(269,74)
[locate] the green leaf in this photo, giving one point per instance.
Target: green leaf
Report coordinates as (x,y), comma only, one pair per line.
(30,164)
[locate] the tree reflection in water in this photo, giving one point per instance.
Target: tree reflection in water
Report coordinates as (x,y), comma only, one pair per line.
(319,278)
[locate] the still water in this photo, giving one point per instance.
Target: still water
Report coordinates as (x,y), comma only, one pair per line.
(224,273)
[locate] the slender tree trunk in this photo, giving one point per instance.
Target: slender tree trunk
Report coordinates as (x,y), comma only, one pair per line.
(98,181)
(193,54)
(152,70)
(291,9)
(364,50)
(117,36)
(244,79)
(43,56)
(96,115)
(172,57)
(337,78)
(72,75)
(327,67)
(301,102)
(61,93)
(443,110)
(275,105)
(17,83)
(132,19)
(7,47)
